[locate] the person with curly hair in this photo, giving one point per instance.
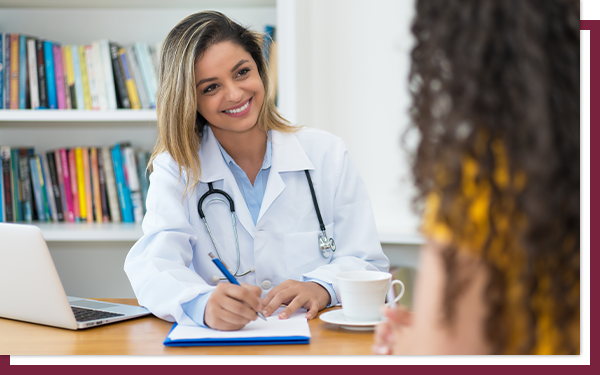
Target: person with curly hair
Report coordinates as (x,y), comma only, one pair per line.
(495,89)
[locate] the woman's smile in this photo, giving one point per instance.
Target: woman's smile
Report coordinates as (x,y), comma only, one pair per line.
(240,110)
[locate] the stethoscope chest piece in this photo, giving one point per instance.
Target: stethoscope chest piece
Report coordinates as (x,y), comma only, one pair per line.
(327,246)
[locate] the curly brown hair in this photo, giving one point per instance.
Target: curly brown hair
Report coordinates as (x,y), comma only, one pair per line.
(504,71)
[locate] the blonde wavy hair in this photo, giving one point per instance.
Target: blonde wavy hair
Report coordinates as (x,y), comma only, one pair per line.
(180,126)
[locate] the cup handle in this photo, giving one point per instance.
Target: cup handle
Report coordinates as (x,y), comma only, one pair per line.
(394,282)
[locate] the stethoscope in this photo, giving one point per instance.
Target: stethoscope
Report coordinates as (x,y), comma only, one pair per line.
(326,245)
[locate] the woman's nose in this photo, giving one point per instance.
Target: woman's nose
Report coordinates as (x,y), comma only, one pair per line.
(234,94)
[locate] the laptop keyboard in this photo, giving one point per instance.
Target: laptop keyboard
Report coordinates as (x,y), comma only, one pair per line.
(85,315)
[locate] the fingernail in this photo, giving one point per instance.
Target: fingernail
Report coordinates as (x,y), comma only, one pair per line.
(380,350)
(265,313)
(308,316)
(282,315)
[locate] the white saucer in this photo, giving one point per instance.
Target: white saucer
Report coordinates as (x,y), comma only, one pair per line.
(337,317)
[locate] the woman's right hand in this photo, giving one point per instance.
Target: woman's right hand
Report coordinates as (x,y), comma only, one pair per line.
(230,307)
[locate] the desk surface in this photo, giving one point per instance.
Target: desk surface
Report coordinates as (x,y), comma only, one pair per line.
(145,336)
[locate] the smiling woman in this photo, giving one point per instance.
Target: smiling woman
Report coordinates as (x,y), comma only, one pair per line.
(219,132)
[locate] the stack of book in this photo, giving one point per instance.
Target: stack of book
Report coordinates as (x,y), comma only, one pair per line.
(42,74)
(81,184)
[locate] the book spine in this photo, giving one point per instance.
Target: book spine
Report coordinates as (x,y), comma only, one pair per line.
(14,71)
(9,214)
(37,187)
(68,100)
(33,74)
(89,199)
(144,70)
(59,75)
(91,70)
(77,78)
(96,184)
(108,74)
(24,176)
(41,68)
(74,189)
(2,217)
(80,183)
(137,77)
(87,98)
(61,184)
(111,186)
(49,193)
(16,184)
(22,71)
(129,82)
(7,73)
(2,44)
(64,162)
(54,179)
(102,186)
(50,78)
(99,74)
(143,158)
(121,89)
(133,183)
(122,188)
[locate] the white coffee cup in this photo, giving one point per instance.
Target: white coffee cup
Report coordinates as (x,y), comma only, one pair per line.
(363,294)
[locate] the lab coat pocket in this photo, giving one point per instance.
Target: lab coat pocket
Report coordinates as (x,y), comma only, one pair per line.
(302,252)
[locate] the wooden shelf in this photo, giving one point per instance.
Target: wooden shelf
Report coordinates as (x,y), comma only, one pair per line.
(88,232)
(51,115)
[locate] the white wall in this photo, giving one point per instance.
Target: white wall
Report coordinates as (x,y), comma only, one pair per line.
(352,63)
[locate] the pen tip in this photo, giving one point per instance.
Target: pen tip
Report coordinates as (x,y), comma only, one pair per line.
(211,255)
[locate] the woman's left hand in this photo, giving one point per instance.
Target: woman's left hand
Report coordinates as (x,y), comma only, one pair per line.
(296,294)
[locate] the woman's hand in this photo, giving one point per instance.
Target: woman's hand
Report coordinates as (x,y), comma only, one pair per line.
(296,294)
(388,334)
(231,307)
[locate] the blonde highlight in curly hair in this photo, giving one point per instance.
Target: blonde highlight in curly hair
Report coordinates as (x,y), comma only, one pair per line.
(180,125)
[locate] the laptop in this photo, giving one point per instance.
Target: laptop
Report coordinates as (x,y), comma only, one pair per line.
(31,291)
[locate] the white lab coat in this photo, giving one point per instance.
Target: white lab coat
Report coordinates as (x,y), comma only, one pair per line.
(170,265)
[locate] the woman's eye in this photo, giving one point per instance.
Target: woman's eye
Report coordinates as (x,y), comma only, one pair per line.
(243,72)
(210,88)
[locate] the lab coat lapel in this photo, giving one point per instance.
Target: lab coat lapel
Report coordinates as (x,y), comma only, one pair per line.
(287,156)
(214,168)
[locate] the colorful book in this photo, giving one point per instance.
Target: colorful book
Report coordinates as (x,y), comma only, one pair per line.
(87,184)
(14,71)
(50,77)
(27,194)
(74,185)
(119,78)
(129,82)
(33,74)
(87,96)
(96,184)
(49,193)
(122,188)
(70,74)
(147,70)
(81,184)
(137,77)
(55,188)
(102,186)
(59,76)
(68,100)
(36,181)
(133,184)
(99,76)
(61,184)
(108,74)
(92,79)
(41,68)
(64,163)
(9,212)
(6,48)
(111,186)
(16,183)
(22,71)
(80,101)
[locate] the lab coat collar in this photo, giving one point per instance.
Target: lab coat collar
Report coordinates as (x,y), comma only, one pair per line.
(288,154)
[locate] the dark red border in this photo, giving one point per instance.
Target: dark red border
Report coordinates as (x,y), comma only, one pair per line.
(592,131)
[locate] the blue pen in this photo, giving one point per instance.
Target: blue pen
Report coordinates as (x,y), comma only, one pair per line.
(231,278)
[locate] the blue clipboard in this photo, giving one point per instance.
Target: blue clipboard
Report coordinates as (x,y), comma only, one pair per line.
(275,340)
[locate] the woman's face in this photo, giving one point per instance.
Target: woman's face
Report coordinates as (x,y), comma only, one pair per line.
(229,90)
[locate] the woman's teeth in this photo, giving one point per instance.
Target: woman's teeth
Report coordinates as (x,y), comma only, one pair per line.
(238,110)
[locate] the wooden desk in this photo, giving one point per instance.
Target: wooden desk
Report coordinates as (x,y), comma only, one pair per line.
(145,336)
